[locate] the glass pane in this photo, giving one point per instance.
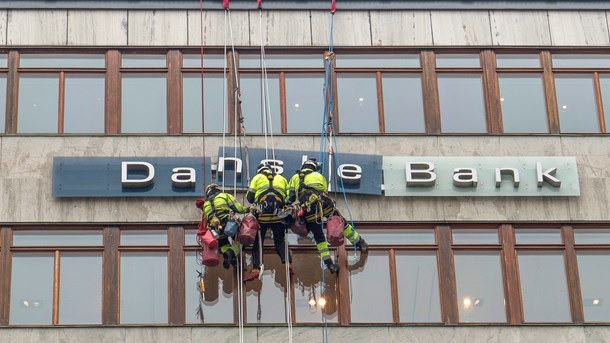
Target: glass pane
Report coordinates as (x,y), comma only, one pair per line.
(458,60)
(592,236)
(209,61)
(604,84)
(518,61)
(304,103)
(144,108)
(543,287)
(576,103)
(538,236)
(358,110)
(84,104)
(418,292)
(594,272)
(266,296)
(480,290)
(308,293)
(57,238)
(523,104)
(581,61)
(370,275)
(394,237)
(3,61)
(144,61)
(143,288)
(217,297)
(461,102)
(62,61)
(2,101)
(294,239)
(251,103)
(403,104)
(475,236)
(379,61)
(282,61)
(80,280)
(213,103)
(148,237)
(38,103)
(190,237)
(32,289)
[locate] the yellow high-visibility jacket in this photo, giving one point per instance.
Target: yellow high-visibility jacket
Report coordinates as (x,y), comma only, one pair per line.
(311,180)
(261,186)
(223,203)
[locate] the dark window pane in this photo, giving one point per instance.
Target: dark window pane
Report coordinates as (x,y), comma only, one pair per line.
(143,288)
(592,236)
(144,108)
(576,103)
(266,296)
(538,236)
(604,83)
(461,102)
(308,293)
(84,104)
(304,103)
(358,102)
(80,288)
(32,289)
(251,103)
(144,61)
(418,292)
(370,275)
(148,237)
(393,237)
(38,103)
(523,106)
(209,61)
(594,272)
(282,61)
(543,287)
(403,107)
(213,103)
(2,101)
(480,290)
(581,61)
(475,236)
(518,61)
(57,238)
(378,61)
(458,60)
(62,61)
(218,294)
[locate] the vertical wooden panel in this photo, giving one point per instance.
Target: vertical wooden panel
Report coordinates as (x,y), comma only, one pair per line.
(113,92)
(110,276)
(492,92)
(12,94)
(511,276)
(432,111)
(394,286)
(335,95)
(283,112)
(380,102)
(174,92)
(177,312)
(232,89)
(549,89)
(56,288)
(600,103)
(572,276)
(62,92)
(447,276)
(5,274)
(343,286)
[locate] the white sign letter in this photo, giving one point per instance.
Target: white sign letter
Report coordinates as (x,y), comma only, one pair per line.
(148,180)
(236,162)
(420,174)
(276,165)
(507,171)
(183,177)
(541,177)
(350,173)
(465,177)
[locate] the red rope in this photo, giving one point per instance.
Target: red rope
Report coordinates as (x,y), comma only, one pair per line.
(333,7)
(203,164)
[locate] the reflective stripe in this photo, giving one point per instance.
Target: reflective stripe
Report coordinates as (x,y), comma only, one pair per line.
(321,251)
(251,190)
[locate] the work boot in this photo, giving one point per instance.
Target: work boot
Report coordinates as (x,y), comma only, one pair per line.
(362,245)
(233,260)
(252,275)
(228,258)
(333,268)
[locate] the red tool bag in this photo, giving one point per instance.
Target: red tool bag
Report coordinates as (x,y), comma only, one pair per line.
(205,237)
(334,231)
(248,229)
(210,256)
(299,227)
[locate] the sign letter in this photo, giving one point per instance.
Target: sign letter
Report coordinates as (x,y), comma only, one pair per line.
(350,173)
(420,174)
(183,177)
(541,177)
(236,162)
(465,177)
(507,171)
(148,180)
(276,165)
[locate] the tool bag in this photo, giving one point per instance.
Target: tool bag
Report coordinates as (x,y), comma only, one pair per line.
(205,236)
(210,256)
(334,230)
(248,229)
(299,227)
(231,228)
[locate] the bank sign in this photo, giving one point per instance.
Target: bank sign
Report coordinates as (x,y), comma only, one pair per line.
(355,173)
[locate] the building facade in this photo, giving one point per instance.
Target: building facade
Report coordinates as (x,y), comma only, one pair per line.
(454,84)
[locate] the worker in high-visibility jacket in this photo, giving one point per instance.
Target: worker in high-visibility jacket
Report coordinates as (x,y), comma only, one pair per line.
(218,208)
(268,192)
(310,189)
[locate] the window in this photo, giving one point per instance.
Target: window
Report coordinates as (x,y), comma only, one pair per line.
(357,94)
(576,103)
(523,107)
(403,108)
(265,297)
(461,102)
(304,103)
(593,269)
(370,275)
(418,290)
(2,101)
(313,299)
(255,120)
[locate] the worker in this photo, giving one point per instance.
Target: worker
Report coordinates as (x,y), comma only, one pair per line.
(268,192)
(309,188)
(218,208)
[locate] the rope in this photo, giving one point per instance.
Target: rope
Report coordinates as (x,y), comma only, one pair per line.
(288,289)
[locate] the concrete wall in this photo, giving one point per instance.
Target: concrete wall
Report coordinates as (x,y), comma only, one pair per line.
(305,28)
(26,175)
(488,334)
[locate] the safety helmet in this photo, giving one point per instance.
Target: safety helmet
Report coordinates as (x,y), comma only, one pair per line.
(311,164)
(211,189)
(262,167)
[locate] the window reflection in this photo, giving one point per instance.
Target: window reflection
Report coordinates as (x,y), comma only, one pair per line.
(518,61)
(251,105)
(538,236)
(143,237)
(576,103)
(2,102)
(458,60)
(461,103)
(144,104)
(32,289)
(38,103)
(84,104)
(143,61)
(594,271)
(592,236)
(304,103)
(209,61)
(212,102)
(358,110)
(475,236)
(217,302)
(370,275)
(80,278)
(523,106)
(61,61)
(403,108)
(57,238)
(418,290)
(265,298)
(378,61)
(310,300)
(581,61)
